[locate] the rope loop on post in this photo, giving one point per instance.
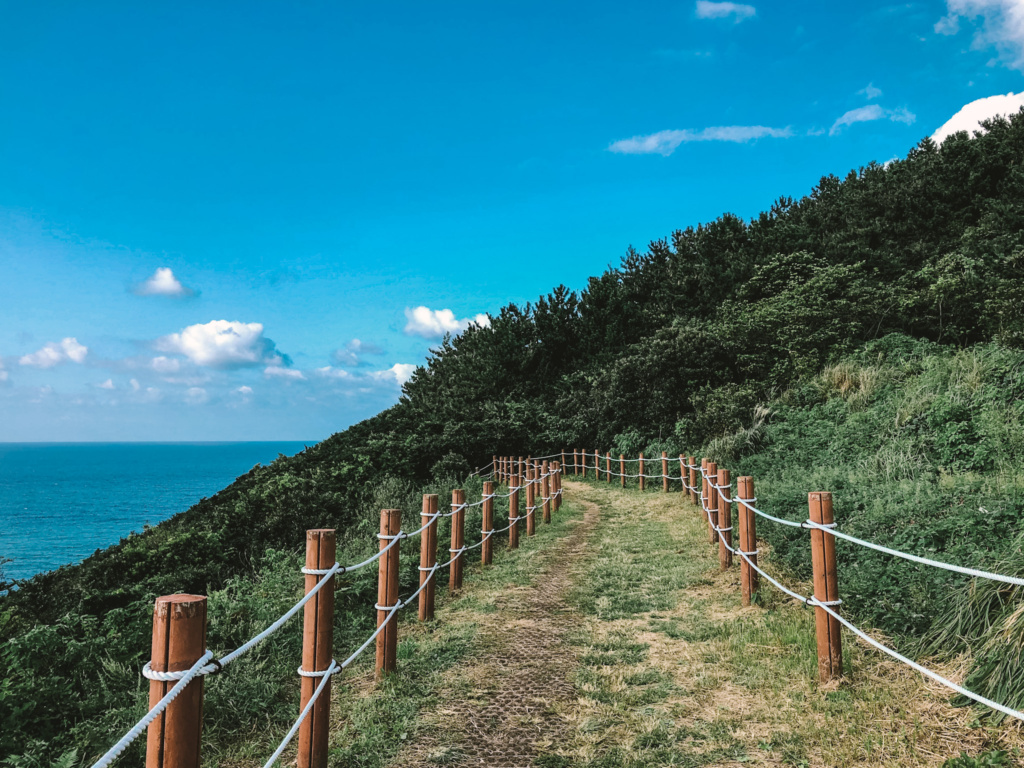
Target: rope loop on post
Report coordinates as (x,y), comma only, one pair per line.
(337,570)
(212,667)
(813,525)
(329,671)
(813,601)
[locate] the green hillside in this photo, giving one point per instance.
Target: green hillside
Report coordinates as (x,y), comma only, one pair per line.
(865,339)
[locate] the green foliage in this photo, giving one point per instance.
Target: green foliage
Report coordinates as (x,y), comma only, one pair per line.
(812,346)
(993,759)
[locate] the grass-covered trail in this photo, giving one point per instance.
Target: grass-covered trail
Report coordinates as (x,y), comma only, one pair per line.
(611,639)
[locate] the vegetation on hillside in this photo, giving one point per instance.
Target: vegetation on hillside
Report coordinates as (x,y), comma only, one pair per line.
(863,339)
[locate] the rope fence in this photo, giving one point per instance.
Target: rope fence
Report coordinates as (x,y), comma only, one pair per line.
(180,660)
(710,488)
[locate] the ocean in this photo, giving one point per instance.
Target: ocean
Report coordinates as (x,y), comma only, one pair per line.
(61,502)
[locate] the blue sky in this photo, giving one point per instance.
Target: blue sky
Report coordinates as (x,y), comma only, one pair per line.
(250,221)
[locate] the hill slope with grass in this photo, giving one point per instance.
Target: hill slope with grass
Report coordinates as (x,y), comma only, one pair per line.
(729,338)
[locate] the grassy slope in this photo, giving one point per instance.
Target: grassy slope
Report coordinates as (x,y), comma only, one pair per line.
(923,449)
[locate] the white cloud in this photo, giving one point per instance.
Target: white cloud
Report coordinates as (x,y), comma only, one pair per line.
(1002,25)
(196,396)
(399,373)
(56,352)
(349,354)
(108,384)
(870,92)
(870,113)
(712,10)
(135,385)
(282,373)
(435,323)
(665,142)
(970,115)
(948,25)
(222,344)
(242,394)
(42,393)
(163,364)
(329,372)
(3,373)
(163,283)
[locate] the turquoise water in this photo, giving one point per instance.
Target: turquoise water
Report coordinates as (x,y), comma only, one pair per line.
(61,502)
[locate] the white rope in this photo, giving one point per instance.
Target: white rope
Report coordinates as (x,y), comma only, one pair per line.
(914,558)
(914,665)
(122,744)
(747,503)
(302,716)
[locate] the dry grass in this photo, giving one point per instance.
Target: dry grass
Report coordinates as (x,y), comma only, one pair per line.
(737,685)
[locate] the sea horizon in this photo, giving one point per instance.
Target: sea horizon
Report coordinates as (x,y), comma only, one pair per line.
(90,495)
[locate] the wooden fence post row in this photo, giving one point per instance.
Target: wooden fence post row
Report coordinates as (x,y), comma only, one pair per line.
(823,551)
(179,621)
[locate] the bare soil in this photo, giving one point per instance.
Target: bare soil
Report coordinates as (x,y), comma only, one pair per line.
(513,693)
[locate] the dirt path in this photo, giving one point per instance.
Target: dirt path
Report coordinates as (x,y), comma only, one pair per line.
(509,715)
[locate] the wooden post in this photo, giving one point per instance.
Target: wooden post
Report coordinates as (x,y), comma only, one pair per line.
(826,588)
(531,496)
(622,470)
(608,466)
(387,593)
(562,462)
(553,485)
(641,472)
(748,538)
(556,502)
(179,640)
(428,556)
(487,527)
(724,521)
(513,514)
(703,485)
(692,461)
(683,473)
(664,472)
(458,540)
(711,497)
(583,459)
(317,649)
(545,489)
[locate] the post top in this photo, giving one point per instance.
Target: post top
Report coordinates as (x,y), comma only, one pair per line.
(181,599)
